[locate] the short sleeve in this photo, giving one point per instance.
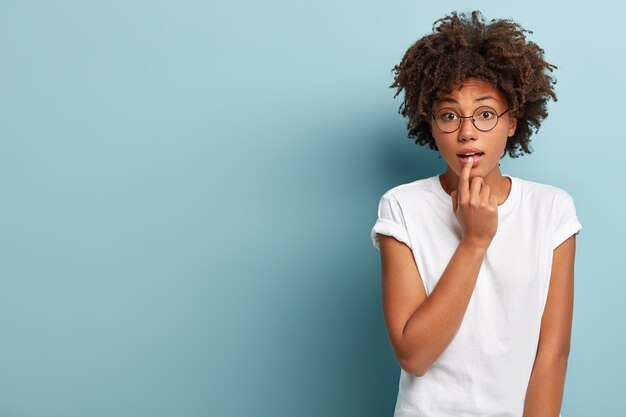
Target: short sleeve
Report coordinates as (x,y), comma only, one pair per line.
(566,220)
(390,221)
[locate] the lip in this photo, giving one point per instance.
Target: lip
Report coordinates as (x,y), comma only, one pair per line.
(466,150)
(475,159)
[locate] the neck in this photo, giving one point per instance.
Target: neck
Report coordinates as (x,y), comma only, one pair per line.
(499,185)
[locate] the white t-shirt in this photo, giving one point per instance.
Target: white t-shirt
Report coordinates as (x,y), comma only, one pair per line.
(486,368)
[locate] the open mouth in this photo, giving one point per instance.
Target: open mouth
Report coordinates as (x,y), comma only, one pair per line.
(467,155)
(476,157)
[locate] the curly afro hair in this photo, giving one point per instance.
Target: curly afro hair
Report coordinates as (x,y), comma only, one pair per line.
(462,47)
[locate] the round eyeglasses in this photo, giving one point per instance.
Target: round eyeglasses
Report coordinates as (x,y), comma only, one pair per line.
(484,118)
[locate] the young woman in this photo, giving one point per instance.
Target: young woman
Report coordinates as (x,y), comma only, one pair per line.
(477,266)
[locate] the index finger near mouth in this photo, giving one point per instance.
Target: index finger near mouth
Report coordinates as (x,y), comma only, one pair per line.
(464,183)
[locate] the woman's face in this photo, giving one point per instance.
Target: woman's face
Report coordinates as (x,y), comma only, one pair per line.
(475,94)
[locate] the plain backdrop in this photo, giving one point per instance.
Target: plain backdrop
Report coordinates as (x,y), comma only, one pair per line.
(187,190)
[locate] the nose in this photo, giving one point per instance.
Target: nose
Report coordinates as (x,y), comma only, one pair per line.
(467,130)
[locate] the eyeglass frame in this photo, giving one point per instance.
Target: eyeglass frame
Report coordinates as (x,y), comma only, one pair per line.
(469,117)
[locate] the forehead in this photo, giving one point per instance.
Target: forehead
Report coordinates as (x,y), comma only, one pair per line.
(474,91)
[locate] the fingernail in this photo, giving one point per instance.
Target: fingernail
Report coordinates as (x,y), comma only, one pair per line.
(470,160)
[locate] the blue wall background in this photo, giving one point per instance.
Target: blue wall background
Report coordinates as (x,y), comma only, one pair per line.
(187,190)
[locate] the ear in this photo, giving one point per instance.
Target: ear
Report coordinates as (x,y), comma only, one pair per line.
(512,125)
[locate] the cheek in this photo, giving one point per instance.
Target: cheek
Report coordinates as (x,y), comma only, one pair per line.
(503,142)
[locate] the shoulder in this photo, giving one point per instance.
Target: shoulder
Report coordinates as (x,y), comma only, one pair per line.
(410,190)
(543,193)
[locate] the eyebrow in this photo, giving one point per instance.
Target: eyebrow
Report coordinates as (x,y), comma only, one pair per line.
(451,100)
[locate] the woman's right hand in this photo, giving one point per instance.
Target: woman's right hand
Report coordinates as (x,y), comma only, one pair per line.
(475,208)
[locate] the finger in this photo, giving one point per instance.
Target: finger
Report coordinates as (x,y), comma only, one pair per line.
(464,178)
(475,186)
(485,192)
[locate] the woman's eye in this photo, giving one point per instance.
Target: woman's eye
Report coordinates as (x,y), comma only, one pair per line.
(448,116)
(486,115)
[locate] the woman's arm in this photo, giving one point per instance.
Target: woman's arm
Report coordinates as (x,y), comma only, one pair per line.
(421,328)
(545,389)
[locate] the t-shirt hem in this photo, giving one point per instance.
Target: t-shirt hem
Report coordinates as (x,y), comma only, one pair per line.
(565,231)
(388,228)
